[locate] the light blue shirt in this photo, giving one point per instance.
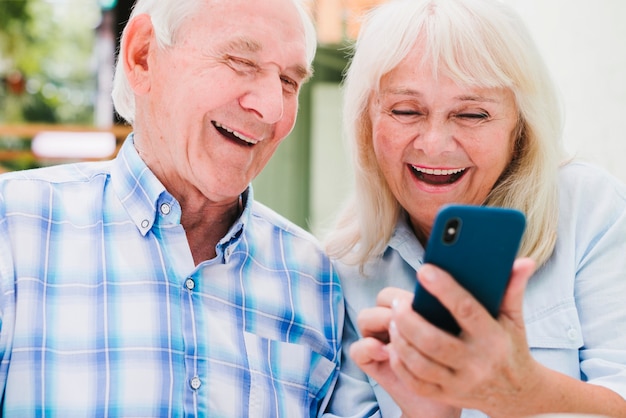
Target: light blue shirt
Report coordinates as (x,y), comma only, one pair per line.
(103,312)
(574,308)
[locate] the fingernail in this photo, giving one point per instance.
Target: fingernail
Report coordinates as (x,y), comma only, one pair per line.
(394,304)
(427,274)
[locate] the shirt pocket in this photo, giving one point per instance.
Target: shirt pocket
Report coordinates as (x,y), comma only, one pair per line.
(554,335)
(285,378)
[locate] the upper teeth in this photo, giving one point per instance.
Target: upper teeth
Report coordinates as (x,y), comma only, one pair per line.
(237,134)
(438,171)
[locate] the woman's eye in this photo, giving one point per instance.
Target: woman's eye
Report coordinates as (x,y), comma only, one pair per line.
(404,112)
(473,116)
(406,116)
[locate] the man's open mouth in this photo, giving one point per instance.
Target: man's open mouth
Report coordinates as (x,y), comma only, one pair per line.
(234,135)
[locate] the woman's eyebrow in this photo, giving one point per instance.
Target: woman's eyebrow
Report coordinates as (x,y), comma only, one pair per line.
(476,98)
(401,91)
(463,97)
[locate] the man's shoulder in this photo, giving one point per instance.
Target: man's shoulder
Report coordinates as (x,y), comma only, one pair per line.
(268,217)
(62,173)
(78,183)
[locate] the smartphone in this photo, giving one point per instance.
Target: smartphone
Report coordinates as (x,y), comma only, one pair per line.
(476,245)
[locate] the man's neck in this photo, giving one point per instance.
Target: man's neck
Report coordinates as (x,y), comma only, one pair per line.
(206,227)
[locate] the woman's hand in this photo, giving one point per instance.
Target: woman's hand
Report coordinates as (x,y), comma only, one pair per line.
(372,355)
(488,367)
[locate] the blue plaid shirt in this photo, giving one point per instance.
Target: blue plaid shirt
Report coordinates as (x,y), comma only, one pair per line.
(103,312)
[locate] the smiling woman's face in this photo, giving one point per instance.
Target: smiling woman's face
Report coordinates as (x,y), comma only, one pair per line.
(437,142)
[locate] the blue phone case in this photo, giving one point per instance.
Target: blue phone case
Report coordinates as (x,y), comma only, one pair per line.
(477,245)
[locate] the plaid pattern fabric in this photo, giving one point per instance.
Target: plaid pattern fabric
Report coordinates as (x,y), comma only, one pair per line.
(103,312)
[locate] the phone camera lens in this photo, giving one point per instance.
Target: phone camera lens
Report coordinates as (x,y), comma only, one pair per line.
(451,230)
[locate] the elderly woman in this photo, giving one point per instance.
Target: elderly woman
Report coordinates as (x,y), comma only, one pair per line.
(448,101)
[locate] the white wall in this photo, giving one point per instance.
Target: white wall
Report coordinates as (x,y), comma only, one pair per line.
(584,44)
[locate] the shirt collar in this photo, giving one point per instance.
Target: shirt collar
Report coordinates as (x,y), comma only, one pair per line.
(140,193)
(136,186)
(406,243)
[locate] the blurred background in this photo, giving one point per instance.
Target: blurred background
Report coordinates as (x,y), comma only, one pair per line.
(56,66)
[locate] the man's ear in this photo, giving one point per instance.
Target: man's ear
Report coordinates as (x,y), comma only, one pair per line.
(137,44)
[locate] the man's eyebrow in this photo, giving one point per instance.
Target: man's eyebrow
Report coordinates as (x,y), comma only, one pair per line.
(244,44)
(303,72)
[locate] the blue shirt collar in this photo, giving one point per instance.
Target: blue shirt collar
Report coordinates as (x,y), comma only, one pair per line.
(141,193)
(406,243)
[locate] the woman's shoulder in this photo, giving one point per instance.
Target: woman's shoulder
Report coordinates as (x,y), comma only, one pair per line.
(591,199)
(585,184)
(580,177)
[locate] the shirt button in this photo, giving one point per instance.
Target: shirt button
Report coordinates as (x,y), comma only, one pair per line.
(165,209)
(190,284)
(195,383)
(145,223)
(572,334)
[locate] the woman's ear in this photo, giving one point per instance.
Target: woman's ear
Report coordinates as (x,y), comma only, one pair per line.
(137,44)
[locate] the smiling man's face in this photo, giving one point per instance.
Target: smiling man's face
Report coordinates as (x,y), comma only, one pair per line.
(223,97)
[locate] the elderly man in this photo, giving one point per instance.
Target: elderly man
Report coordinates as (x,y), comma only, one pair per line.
(154,284)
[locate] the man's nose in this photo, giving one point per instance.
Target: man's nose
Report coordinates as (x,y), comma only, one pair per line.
(265,97)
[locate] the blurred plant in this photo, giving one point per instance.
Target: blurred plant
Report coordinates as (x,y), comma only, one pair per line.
(46,60)
(48,71)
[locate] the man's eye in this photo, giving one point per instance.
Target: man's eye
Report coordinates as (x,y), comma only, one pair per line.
(290,84)
(240,64)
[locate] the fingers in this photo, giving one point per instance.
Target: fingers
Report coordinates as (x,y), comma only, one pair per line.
(388,295)
(425,355)
(468,312)
(372,356)
(422,346)
(471,316)
(367,351)
(425,349)
(374,322)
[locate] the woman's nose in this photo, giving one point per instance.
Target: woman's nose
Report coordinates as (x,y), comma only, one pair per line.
(434,137)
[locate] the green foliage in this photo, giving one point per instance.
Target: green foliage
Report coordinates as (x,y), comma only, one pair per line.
(47,66)
(12,12)
(51,45)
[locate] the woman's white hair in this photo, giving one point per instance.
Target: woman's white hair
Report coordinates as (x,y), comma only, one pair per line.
(167,17)
(476,43)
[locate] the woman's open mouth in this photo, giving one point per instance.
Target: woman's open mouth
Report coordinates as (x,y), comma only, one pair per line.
(436,176)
